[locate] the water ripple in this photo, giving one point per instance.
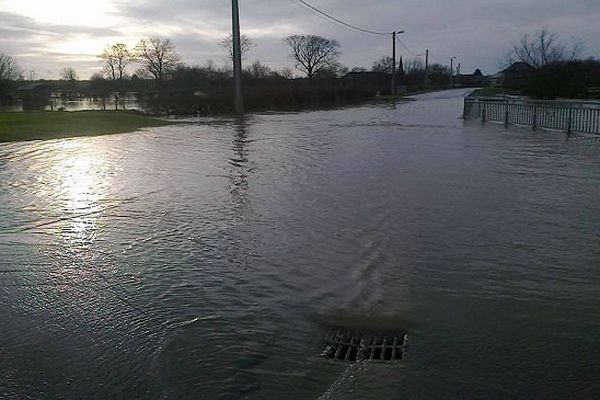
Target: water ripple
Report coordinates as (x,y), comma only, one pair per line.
(193,258)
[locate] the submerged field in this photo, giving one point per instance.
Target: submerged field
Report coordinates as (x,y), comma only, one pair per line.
(52,125)
(210,259)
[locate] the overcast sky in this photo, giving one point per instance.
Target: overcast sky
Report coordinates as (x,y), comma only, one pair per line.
(46,35)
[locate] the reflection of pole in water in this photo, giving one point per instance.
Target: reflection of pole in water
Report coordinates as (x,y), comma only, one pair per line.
(244,239)
(239,141)
(239,162)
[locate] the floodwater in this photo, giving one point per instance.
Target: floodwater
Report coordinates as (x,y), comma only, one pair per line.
(206,260)
(81,104)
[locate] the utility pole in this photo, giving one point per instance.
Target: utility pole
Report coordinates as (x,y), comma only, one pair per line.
(451,71)
(237,58)
(426,66)
(393,63)
(394,60)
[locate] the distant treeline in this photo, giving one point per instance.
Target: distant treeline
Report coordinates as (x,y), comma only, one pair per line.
(542,65)
(209,90)
(205,90)
(162,84)
(569,79)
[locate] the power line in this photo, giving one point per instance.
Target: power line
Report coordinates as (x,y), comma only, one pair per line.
(354,27)
(409,50)
(342,22)
(434,58)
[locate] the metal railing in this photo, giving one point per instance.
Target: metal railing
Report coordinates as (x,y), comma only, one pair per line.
(566,116)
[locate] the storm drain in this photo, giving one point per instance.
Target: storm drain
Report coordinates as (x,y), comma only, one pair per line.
(349,347)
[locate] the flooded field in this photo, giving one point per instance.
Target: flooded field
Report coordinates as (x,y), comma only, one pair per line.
(207,260)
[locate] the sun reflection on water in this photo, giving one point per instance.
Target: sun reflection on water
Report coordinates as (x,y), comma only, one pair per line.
(77,188)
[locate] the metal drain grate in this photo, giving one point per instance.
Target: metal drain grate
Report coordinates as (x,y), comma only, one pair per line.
(345,346)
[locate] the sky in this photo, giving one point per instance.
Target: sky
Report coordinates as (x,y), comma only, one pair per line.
(47,35)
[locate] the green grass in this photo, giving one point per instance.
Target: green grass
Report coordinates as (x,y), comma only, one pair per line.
(492,92)
(390,97)
(20,126)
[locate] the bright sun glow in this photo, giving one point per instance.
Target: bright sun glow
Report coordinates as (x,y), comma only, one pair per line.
(81,178)
(78,45)
(64,12)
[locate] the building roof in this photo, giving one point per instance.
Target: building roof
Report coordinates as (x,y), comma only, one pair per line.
(32,86)
(367,73)
(518,67)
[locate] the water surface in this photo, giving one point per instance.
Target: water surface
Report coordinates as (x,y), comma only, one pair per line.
(205,260)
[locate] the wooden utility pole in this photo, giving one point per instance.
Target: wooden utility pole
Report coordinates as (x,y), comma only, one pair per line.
(452,72)
(394,60)
(426,66)
(237,58)
(393,63)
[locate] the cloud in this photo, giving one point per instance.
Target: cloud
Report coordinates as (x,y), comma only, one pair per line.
(36,45)
(477,32)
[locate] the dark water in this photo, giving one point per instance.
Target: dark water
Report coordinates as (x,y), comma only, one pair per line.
(81,104)
(205,260)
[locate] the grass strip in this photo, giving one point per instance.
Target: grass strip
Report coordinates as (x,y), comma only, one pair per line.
(20,126)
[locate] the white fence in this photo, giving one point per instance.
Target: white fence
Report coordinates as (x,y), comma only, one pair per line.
(570,117)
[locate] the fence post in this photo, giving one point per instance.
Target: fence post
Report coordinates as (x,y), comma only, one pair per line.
(464,108)
(483,112)
(506,115)
(534,126)
(570,123)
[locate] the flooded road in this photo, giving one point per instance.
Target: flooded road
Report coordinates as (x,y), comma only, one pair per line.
(206,260)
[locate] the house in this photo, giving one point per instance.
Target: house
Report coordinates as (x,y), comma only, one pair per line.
(515,76)
(496,79)
(470,80)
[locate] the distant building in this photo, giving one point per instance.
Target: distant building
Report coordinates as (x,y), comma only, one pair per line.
(496,79)
(515,76)
(30,88)
(475,79)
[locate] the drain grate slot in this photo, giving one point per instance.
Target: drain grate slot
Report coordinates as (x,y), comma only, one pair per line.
(345,346)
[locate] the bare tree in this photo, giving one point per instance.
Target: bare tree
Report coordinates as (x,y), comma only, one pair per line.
(116,59)
(414,65)
(158,57)
(313,53)
(286,73)
(259,71)
(9,69)
(543,48)
(100,88)
(69,74)
(245,42)
(334,70)
(141,73)
(384,64)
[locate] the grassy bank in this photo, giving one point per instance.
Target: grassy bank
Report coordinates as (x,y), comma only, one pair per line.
(494,92)
(52,125)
